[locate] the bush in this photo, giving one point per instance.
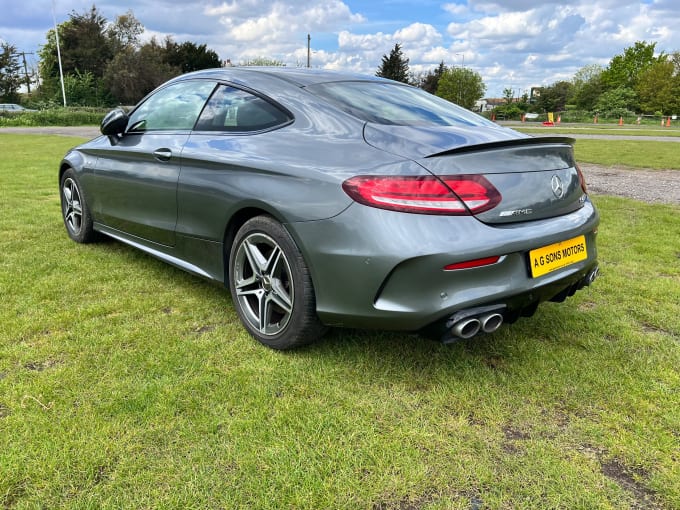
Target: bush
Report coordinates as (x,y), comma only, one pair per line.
(511,111)
(71,116)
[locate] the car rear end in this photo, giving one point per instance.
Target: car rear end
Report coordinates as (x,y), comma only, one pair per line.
(529,235)
(476,227)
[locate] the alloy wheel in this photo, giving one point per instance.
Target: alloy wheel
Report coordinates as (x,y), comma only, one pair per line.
(73,211)
(264,284)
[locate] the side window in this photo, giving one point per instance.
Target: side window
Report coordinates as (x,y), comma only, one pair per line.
(174,107)
(234,110)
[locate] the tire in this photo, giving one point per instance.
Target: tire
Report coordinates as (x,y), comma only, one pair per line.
(271,286)
(74,209)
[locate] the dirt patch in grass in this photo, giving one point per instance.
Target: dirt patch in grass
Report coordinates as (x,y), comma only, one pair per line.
(406,503)
(513,438)
(430,497)
(513,434)
(204,329)
(39,366)
(623,476)
(658,186)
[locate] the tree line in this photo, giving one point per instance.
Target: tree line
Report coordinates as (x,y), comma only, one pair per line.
(103,63)
(636,81)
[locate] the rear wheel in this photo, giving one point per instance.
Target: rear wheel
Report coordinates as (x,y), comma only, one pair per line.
(271,286)
(76,214)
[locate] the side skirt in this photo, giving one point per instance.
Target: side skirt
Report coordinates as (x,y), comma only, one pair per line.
(162,252)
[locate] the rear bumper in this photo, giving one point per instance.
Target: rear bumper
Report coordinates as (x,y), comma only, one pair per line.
(380,269)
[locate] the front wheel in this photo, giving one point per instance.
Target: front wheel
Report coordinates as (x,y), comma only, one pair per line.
(271,286)
(76,214)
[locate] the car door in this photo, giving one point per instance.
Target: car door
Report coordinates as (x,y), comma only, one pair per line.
(136,177)
(231,154)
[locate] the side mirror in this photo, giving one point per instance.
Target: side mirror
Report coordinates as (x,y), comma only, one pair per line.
(114,123)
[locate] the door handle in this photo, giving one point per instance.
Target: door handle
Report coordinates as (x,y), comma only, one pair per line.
(162,154)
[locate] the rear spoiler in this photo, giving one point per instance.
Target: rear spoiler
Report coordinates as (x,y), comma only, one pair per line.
(515,142)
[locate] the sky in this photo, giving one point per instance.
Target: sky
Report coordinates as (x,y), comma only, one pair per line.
(512,44)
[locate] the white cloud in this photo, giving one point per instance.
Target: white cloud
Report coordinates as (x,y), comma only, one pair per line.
(423,34)
(456,9)
(362,42)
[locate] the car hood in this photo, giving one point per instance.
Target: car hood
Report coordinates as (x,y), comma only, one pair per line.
(421,141)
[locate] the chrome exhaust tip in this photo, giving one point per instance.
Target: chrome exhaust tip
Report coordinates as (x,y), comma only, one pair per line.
(592,275)
(491,322)
(466,328)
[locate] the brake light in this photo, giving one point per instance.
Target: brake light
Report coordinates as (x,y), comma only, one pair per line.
(452,195)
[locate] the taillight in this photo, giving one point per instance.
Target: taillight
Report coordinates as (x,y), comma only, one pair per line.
(581,179)
(454,195)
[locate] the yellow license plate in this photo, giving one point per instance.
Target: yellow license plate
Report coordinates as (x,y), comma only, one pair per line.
(556,256)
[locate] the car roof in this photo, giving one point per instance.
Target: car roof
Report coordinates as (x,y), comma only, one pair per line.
(299,76)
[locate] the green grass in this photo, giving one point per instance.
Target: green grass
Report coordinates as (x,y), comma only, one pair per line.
(599,130)
(632,153)
(125,383)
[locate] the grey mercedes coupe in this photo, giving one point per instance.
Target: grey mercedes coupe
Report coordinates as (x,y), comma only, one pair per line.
(324,199)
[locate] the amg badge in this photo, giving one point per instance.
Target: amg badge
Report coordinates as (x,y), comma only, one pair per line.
(517,212)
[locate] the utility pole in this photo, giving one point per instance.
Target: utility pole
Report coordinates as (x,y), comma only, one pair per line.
(309,49)
(28,80)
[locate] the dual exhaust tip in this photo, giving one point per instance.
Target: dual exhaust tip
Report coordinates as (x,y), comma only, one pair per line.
(470,326)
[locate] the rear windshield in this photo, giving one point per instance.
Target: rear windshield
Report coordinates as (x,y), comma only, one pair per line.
(391,103)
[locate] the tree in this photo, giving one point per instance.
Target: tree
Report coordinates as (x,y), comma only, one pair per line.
(125,32)
(617,102)
(430,81)
(10,73)
(109,59)
(555,97)
(624,69)
(675,58)
(84,43)
(85,48)
(587,86)
(83,89)
(188,57)
(462,86)
(659,88)
(394,66)
(508,95)
(133,73)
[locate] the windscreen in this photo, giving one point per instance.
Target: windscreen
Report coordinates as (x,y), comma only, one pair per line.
(394,104)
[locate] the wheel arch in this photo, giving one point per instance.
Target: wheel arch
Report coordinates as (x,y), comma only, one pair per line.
(237,220)
(235,223)
(65,165)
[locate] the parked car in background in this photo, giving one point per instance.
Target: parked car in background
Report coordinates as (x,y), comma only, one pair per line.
(11,107)
(325,199)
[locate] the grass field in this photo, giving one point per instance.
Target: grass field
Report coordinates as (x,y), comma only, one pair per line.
(125,383)
(599,130)
(632,153)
